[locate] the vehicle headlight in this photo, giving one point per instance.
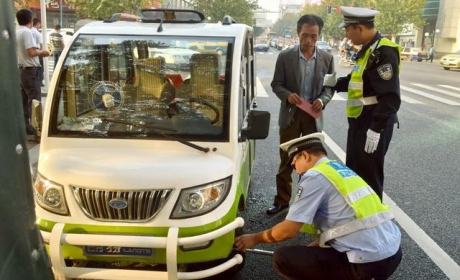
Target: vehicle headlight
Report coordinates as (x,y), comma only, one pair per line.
(199,200)
(50,196)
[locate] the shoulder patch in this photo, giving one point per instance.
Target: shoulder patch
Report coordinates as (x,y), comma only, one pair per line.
(299,192)
(385,71)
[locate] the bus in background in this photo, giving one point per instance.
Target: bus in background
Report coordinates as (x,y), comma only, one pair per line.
(271,38)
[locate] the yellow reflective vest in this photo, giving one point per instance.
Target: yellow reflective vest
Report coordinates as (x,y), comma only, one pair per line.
(369,210)
(356,100)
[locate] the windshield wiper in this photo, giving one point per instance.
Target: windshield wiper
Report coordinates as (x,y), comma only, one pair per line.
(157,129)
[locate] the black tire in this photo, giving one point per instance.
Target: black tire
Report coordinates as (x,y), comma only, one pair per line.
(446,68)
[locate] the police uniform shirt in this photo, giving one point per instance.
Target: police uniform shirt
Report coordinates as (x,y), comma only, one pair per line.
(319,201)
(381,79)
(25,41)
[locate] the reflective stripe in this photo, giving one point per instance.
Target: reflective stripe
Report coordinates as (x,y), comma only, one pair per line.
(358,194)
(353,226)
(355,85)
(363,101)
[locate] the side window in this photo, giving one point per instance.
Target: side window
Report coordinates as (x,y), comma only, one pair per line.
(250,73)
(246,90)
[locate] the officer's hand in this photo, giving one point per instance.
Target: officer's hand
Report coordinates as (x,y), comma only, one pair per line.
(245,241)
(330,80)
(372,141)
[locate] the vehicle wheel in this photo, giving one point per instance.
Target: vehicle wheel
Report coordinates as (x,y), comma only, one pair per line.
(419,60)
(446,68)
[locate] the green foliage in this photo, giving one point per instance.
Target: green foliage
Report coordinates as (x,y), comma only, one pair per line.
(395,15)
(102,9)
(240,10)
(287,24)
(258,31)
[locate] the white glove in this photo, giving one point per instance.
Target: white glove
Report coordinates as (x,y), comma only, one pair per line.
(372,141)
(330,80)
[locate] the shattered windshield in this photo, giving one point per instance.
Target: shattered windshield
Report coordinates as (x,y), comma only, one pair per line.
(144,87)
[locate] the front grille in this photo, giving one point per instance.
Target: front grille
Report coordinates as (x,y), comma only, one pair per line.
(140,206)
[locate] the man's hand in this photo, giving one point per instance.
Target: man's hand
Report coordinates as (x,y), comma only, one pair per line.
(294,99)
(372,141)
(246,241)
(317,105)
(330,80)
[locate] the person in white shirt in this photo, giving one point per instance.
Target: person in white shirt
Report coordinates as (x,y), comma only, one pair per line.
(29,65)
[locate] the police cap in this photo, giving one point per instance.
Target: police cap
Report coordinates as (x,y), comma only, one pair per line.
(353,15)
(302,143)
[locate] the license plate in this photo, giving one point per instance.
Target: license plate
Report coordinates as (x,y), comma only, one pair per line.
(445,63)
(117,251)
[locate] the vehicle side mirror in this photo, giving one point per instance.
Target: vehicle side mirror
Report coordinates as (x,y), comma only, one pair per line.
(36,116)
(258,125)
(69,33)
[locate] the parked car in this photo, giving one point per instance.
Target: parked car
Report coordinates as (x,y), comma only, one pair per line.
(414,54)
(450,61)
(323,45)
(261,45)
(280,45)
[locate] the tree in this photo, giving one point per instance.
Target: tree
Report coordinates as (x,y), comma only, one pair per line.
(287,24)
(102,9)
(240,10)
(395,15)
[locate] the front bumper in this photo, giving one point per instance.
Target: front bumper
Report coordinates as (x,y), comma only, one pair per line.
(57,238)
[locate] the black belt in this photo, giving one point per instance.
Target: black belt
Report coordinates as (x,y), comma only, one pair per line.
(29,67)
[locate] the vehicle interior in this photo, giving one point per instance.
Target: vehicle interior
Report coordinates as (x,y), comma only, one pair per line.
(142,86)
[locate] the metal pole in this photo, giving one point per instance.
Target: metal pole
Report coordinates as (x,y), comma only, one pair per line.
(60,14)
(45,43)
(260,252)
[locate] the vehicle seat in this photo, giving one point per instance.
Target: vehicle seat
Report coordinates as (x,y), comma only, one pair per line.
(205,84)
(151,81)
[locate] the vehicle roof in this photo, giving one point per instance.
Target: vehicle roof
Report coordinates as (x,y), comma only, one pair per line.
(142,28)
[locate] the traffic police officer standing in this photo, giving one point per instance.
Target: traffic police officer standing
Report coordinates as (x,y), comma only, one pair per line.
(373,96)
(358,240)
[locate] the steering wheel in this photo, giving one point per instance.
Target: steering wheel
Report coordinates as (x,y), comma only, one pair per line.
(199,105)
(106,96)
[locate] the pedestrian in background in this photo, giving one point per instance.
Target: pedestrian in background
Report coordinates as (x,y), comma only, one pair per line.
(298,76)
(431,54)
(373,96)
(359,239)
(29,65)
(57,40)
(36,25)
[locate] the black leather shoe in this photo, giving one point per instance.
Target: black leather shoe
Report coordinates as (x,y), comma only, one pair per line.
(275,208)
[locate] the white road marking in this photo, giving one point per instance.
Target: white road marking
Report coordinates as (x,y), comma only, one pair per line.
(431,96)
(411,100)
(438,90)
(450,87)
(450,268)
(260,89)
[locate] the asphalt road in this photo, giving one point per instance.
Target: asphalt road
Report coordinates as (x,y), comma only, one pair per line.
(421,170)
